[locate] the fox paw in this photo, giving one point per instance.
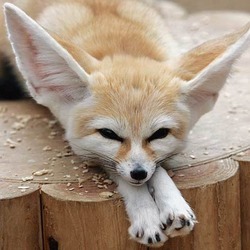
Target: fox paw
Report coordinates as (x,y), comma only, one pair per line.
(148,231)
(177,217)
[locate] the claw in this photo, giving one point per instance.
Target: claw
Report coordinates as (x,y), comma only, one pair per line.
(157,237)
(150,241)
(169,222)
(163,226)
(183,224)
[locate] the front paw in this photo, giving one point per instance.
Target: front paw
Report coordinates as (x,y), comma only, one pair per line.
(177,216)
(147,229)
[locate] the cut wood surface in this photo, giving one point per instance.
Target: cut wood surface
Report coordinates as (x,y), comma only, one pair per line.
(80,203)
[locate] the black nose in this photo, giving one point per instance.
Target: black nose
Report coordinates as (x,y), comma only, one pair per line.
(138,173)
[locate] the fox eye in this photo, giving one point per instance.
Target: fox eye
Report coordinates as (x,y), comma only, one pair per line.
(109,134)
(159,134)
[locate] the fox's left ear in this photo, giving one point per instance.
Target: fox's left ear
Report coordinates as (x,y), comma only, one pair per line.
(205,69)
(53,76)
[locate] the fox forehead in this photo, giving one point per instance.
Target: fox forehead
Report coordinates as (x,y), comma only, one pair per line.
(136,97)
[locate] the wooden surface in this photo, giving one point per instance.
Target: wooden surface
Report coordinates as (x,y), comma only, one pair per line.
(74,211)
(224,131)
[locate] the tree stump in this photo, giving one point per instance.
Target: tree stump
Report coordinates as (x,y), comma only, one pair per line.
(78,207)
(244,162)
(20,216)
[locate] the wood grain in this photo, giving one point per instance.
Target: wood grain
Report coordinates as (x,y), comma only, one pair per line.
(74,218)
(20,217)
(244,162)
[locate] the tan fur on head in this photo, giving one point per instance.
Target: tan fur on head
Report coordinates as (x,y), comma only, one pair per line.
(135,91)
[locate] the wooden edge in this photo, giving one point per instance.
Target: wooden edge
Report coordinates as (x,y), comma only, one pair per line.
(215,201)
(20,216)
(13,190)
(244,163)
(203,175)
(75,217)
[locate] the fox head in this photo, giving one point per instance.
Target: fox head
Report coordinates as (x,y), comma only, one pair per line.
(128,114)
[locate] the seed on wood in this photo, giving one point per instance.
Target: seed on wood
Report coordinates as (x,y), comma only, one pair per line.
(27,178)
(68,184)
(23,187)
(18,126)
(108,181)
(181,175)
(85,171)
(59,155)
(42,172)
(106,195)
(66,176)
(67,154)
(71,189)
(52,123)
(241,154)
(81,181)
(47,148)
(192,156)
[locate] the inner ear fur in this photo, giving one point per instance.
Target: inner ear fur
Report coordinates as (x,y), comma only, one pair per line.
(194,61)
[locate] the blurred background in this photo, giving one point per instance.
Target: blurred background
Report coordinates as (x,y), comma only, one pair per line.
(197,5)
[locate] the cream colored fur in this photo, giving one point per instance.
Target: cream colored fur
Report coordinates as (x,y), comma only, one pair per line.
(106,65)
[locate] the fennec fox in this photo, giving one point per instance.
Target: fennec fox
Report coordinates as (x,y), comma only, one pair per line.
(123,94)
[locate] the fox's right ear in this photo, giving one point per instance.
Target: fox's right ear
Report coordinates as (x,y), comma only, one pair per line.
(205,69)
(53,75)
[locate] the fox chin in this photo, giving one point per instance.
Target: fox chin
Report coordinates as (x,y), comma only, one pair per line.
(127,98)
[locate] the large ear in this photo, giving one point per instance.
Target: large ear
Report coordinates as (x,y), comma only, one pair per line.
(53,75)
(206,68)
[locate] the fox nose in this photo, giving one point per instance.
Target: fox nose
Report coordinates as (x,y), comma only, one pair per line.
(138,173)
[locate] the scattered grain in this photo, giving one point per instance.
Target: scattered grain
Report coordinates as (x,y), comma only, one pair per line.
(47,148)
(27,178)
(241,154)
(85,171)
(108,181)
(42,172)
(106,195)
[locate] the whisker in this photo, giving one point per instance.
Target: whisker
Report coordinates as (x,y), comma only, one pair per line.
(109,164)
(102,156)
